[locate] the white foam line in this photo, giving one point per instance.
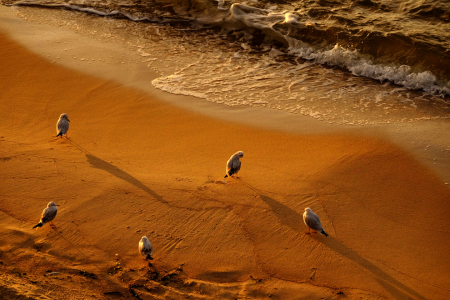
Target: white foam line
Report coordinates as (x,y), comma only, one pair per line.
(265,19)
(359,66)
(353,61)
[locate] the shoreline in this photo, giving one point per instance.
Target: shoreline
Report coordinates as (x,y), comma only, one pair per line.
(135,164)
(425,140)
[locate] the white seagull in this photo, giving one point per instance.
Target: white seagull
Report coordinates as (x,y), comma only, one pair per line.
(145,248)
(234,164)
(62,126)
(312,221)
(48,214)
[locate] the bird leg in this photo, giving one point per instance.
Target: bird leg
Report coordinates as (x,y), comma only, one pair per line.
(52,225)
(309,231)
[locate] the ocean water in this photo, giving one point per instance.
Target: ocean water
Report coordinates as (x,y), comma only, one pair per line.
(348,62)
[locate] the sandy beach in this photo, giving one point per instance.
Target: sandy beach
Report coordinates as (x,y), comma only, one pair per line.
(138,161)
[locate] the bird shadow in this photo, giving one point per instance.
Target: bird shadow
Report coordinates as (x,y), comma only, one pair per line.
(113,170)
(292,219)
(285,214)
(394,287)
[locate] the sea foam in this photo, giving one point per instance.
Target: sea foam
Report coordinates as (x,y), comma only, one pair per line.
(278,25)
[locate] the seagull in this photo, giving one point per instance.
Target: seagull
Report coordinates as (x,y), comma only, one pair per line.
(312,221)
(145,248)
(48,214)
(234,164)
(62,126)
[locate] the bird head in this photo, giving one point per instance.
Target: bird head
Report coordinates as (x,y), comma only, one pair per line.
(52,204)
(240,153)
(64,116)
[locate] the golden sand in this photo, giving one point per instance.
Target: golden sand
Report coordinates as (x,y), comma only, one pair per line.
(134,165)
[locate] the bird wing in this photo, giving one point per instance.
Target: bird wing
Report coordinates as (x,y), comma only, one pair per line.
(313,222)
(149,250)
(234,163)
(62,126)
(233,167)
(145,247)
(49,214)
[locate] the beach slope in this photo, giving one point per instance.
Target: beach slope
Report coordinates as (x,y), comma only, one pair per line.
(134,165)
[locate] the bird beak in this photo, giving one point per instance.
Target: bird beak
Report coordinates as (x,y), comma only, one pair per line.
(57,204)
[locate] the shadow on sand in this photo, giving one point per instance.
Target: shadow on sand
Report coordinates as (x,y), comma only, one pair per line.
(292,219)
(285,214)
(397,289)
(103,165)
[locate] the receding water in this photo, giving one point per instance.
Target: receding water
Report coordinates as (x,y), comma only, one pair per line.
(350,62)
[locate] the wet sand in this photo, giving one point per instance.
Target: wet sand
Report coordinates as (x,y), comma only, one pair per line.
(138,162)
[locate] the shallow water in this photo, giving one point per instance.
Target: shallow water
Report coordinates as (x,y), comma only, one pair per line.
(339,62)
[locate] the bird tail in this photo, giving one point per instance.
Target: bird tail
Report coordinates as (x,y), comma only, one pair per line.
(324,233)
(230,172)
(60,134)
(149,257)
(38,225)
